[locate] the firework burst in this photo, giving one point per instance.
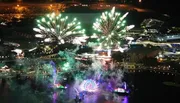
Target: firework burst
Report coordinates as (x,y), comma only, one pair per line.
(110,28)
(56,27)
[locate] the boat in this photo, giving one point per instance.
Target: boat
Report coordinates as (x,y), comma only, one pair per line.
(122,90)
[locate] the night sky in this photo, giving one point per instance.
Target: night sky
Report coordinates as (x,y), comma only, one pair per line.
(170,7)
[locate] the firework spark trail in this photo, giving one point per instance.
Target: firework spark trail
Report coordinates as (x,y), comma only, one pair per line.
(110,28)
(59,28)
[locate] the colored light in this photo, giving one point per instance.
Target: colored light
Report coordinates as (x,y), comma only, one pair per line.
(89,85)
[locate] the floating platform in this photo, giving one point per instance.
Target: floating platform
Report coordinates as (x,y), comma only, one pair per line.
(121,91)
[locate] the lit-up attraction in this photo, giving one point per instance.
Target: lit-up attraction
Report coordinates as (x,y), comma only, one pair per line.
(89,85)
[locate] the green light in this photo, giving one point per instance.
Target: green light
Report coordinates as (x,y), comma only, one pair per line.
(75,19)
(78,27)
(66,66)
(124,21)
(53,14)
(123,30)
(48,22)
(52,25)
(43,20)
(109,14)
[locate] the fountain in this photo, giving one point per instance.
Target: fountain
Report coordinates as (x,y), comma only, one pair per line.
(96,81)
(54,72)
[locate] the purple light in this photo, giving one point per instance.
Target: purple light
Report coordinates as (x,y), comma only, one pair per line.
(55,97)
(125,99)
(54,71)
(125,86)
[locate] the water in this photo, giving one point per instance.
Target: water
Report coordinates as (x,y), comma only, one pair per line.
(149,88)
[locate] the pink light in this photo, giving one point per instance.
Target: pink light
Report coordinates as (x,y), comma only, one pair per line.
(57,85)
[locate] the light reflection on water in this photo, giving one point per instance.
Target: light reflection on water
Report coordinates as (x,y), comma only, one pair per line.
(55,95)
(11,17)
(125,99)
(103,99)
(98,97)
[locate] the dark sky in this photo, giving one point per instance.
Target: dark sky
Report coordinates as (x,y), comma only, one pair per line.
(166,6)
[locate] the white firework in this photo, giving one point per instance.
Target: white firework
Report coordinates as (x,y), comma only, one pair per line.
(56,27)
(110,28)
